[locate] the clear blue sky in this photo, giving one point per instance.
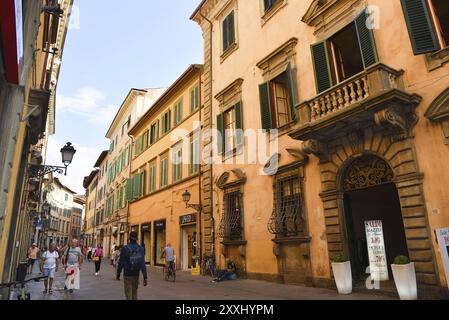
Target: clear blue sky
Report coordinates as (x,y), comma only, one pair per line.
(112,46)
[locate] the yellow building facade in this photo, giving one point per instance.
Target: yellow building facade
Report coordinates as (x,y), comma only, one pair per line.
(164,164)
(360,105)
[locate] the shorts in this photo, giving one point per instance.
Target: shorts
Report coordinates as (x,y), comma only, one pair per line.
(50,273)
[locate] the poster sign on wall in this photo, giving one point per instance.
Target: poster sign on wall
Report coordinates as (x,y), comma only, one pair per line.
(376,250)
(443,241)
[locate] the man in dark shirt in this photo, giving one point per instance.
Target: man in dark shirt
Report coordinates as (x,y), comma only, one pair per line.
(135,253)
(229,274)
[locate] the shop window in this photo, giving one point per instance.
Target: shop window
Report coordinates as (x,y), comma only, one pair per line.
(345,54)
(286,220)
(231,225)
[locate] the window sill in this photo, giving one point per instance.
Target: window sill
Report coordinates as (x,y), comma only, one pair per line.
(297,239)
(437,59)
(272,11)
(234,242)
(228,52)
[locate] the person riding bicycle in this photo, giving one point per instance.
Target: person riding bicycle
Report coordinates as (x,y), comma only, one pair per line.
(169,254)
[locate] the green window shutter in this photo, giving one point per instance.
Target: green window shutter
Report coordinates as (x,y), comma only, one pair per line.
(239,124)
(292,92)
(120,197)
(140,145)
(231,29)
(220,133)
(265,106)
(366,39)
(321,66)
(143,182)
(137,190)
(129,189)
(225,35)
(422,34)
(128,155)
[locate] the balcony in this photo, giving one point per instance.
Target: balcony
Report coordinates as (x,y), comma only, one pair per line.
(353,103)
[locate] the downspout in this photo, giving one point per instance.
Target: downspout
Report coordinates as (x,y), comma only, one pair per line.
(127,203)
(211,99)
(200,212)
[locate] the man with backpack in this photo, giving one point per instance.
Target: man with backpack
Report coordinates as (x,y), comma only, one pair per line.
(132,262)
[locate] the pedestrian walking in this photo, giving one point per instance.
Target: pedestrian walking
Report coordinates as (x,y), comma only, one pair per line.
(72,265)
(33,251)
(96,257)
(132,262)
(49,266)
(111,253)
(89,254)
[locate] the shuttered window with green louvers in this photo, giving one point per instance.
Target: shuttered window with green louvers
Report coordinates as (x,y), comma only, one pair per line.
(220,133)
(265,106)
(321,66)
(137,190)
(419,23)
(228,30)
(129,189)
(366,39)
(239,135)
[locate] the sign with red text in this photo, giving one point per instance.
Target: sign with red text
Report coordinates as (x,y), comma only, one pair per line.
(443,241)
(376,250)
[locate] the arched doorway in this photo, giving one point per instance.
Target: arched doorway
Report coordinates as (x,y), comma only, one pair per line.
(371,196)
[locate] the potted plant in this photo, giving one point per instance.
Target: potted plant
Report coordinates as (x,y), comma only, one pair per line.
(405,278)
(341,268)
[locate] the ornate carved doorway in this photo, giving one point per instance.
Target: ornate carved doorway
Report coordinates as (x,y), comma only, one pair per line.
(370,194)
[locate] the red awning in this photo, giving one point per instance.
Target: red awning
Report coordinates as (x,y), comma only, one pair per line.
(11,28)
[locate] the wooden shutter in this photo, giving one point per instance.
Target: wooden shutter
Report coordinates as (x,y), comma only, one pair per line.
(422,34)
(321,66)
(265,106)
(231,29)
(129,189)
(366,39)
(220,133)
(136,186)
(239,124)
(143,181)
(225,33)
(292,92)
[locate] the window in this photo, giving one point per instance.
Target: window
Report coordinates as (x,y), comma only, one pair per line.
(278,100)
(287,220)
(428,24)
(145,140)
(152,177)
(128,123)
(194,98)
(166,122)
(228,31)
(345,54)
(177,163)
(139,145)
(178,113)
(154,132)
(230,127)
(194,159)
(163,181)
(268,4)
(231,225)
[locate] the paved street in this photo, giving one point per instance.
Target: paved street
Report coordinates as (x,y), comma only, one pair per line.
(187,287)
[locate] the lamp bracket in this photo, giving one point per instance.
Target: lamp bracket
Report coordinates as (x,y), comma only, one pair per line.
(36,171)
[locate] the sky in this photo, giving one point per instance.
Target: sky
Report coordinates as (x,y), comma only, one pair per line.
(111,47)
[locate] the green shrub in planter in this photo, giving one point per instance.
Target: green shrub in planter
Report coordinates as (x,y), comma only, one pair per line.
(401,260)
(340,258)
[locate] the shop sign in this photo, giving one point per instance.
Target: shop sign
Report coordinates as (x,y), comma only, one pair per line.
(146,227)
(376,250)
(159,225)
(189,218)
(443,241)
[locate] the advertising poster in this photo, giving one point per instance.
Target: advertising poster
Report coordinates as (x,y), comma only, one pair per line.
(376,250)
(443,241)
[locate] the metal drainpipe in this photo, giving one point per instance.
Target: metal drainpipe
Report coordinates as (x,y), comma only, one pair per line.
(127,205)
(211,99)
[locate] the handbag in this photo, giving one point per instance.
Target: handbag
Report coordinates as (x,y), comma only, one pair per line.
(95,258)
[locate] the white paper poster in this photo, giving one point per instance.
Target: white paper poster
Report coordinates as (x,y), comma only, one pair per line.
(376,250)
(443,241)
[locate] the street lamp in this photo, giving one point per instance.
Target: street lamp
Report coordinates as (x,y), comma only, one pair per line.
(67,153)
(186,198)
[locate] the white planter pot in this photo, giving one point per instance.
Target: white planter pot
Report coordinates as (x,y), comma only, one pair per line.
(405,280)
(343,276)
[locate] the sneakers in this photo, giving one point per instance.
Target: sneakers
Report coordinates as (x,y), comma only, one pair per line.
(44,292)
(96,273)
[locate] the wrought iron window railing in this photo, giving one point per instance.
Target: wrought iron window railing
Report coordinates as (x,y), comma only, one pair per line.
(231,224)
(287,218)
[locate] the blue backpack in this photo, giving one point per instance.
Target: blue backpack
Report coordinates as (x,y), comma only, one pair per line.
(135,259)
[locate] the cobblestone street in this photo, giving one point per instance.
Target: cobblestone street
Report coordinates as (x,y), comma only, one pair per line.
(186,287)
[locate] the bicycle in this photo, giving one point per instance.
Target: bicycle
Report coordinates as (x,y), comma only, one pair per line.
(24,294)
(210,266)
(170,272)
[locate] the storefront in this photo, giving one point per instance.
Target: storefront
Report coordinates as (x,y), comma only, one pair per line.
(159,241)
(188,242)
(145,236)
